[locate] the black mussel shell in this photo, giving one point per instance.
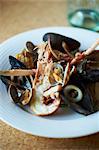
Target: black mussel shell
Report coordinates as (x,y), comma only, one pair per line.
(14,94)
(13,91)
(7,81)
(94,89)
(20,82)
(57,39)
(86,105)
(90,69)
(91,75)
(15,63)
(79,109)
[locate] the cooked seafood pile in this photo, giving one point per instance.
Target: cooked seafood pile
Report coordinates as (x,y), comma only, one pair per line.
(53,74)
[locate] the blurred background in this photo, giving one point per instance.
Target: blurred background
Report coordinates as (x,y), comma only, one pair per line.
(22,15)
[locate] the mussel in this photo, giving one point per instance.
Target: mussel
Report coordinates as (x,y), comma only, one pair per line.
(78,95)
(80,92)
(15,63)
(20,95)
(89,67)
(57,39)
(19,87)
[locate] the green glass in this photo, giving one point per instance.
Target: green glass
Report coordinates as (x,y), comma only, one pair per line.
(84,13)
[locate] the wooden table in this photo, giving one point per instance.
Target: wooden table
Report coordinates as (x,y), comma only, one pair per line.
(16,17)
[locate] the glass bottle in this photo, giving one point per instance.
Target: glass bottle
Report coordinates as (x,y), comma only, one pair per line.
(84,13)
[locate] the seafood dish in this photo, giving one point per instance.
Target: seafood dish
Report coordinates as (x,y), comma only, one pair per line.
(42,78)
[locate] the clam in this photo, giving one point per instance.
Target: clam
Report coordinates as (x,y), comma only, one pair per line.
(56,74)
(20,96)
(32,49)
(30,46)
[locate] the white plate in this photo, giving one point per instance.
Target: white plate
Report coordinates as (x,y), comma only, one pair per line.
(64,124)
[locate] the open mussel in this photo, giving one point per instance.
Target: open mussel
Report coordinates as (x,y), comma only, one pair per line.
(89,67)
(15,63)
(20,95)
(19,87)
(78,96)
(90,76)
(7,81)
(57,39)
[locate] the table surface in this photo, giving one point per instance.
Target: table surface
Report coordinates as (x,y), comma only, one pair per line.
(16,17)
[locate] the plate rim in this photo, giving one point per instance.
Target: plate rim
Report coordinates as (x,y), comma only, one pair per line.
(46,28)
(50,136)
